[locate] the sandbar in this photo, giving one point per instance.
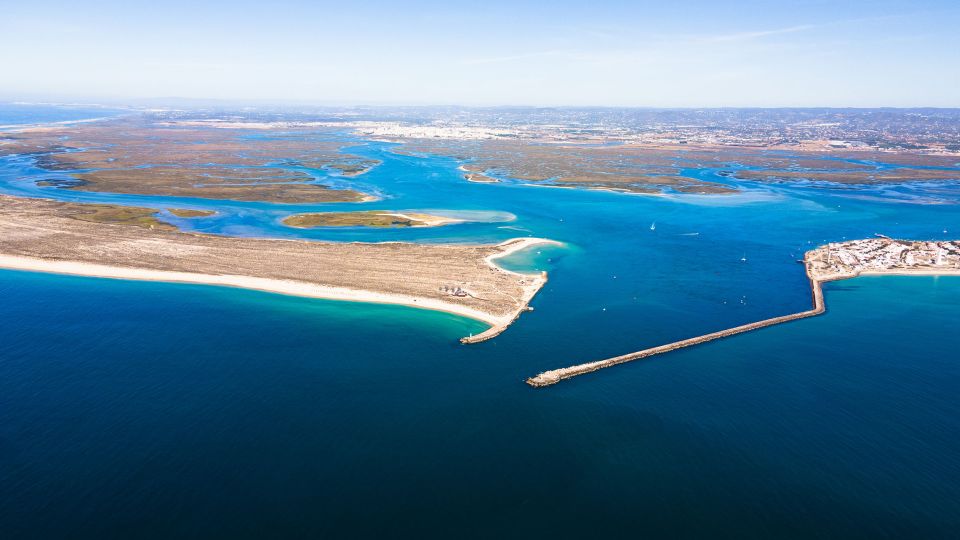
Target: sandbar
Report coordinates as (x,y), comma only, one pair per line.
(369,218)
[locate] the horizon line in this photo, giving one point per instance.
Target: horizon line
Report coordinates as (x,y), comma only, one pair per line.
(171,101)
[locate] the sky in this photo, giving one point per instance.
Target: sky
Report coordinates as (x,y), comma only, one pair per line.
(669,53)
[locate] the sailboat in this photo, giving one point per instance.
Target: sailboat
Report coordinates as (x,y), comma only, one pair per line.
(653,226)
(744,258)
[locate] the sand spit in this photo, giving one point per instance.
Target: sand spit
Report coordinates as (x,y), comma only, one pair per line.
(36,235)
(530,283)
(874,256)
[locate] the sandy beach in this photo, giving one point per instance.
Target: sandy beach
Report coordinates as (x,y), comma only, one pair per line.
(918,272)
(531,284)
(425,220)
(39,235)
(368,218)
(287,287)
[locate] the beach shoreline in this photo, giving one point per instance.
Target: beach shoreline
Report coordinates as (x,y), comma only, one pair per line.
(498,323)
(536,282)
(936,273)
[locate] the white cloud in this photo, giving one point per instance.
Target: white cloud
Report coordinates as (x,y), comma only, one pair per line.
(745,36)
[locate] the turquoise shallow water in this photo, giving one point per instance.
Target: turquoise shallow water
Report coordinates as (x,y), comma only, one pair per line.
(189,411)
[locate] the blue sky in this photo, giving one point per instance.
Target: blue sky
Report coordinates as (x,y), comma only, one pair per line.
(660,54)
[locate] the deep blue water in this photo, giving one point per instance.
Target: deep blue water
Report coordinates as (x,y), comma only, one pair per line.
(188,411)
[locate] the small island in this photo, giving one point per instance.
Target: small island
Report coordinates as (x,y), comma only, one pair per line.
(369,218)
(190,213)
(835,261)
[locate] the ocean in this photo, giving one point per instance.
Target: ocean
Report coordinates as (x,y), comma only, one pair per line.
(16,114)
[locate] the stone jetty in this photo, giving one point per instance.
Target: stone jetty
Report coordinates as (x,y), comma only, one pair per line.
(881,255)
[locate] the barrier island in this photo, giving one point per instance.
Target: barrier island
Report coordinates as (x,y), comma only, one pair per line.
(133,243)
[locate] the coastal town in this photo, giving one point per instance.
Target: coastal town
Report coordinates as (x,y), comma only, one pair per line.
(914,131)
(882,255)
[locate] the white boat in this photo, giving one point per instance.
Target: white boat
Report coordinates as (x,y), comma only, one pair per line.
(653,226)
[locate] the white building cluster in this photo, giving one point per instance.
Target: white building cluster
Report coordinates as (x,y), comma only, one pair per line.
(881,254)
(429,131)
